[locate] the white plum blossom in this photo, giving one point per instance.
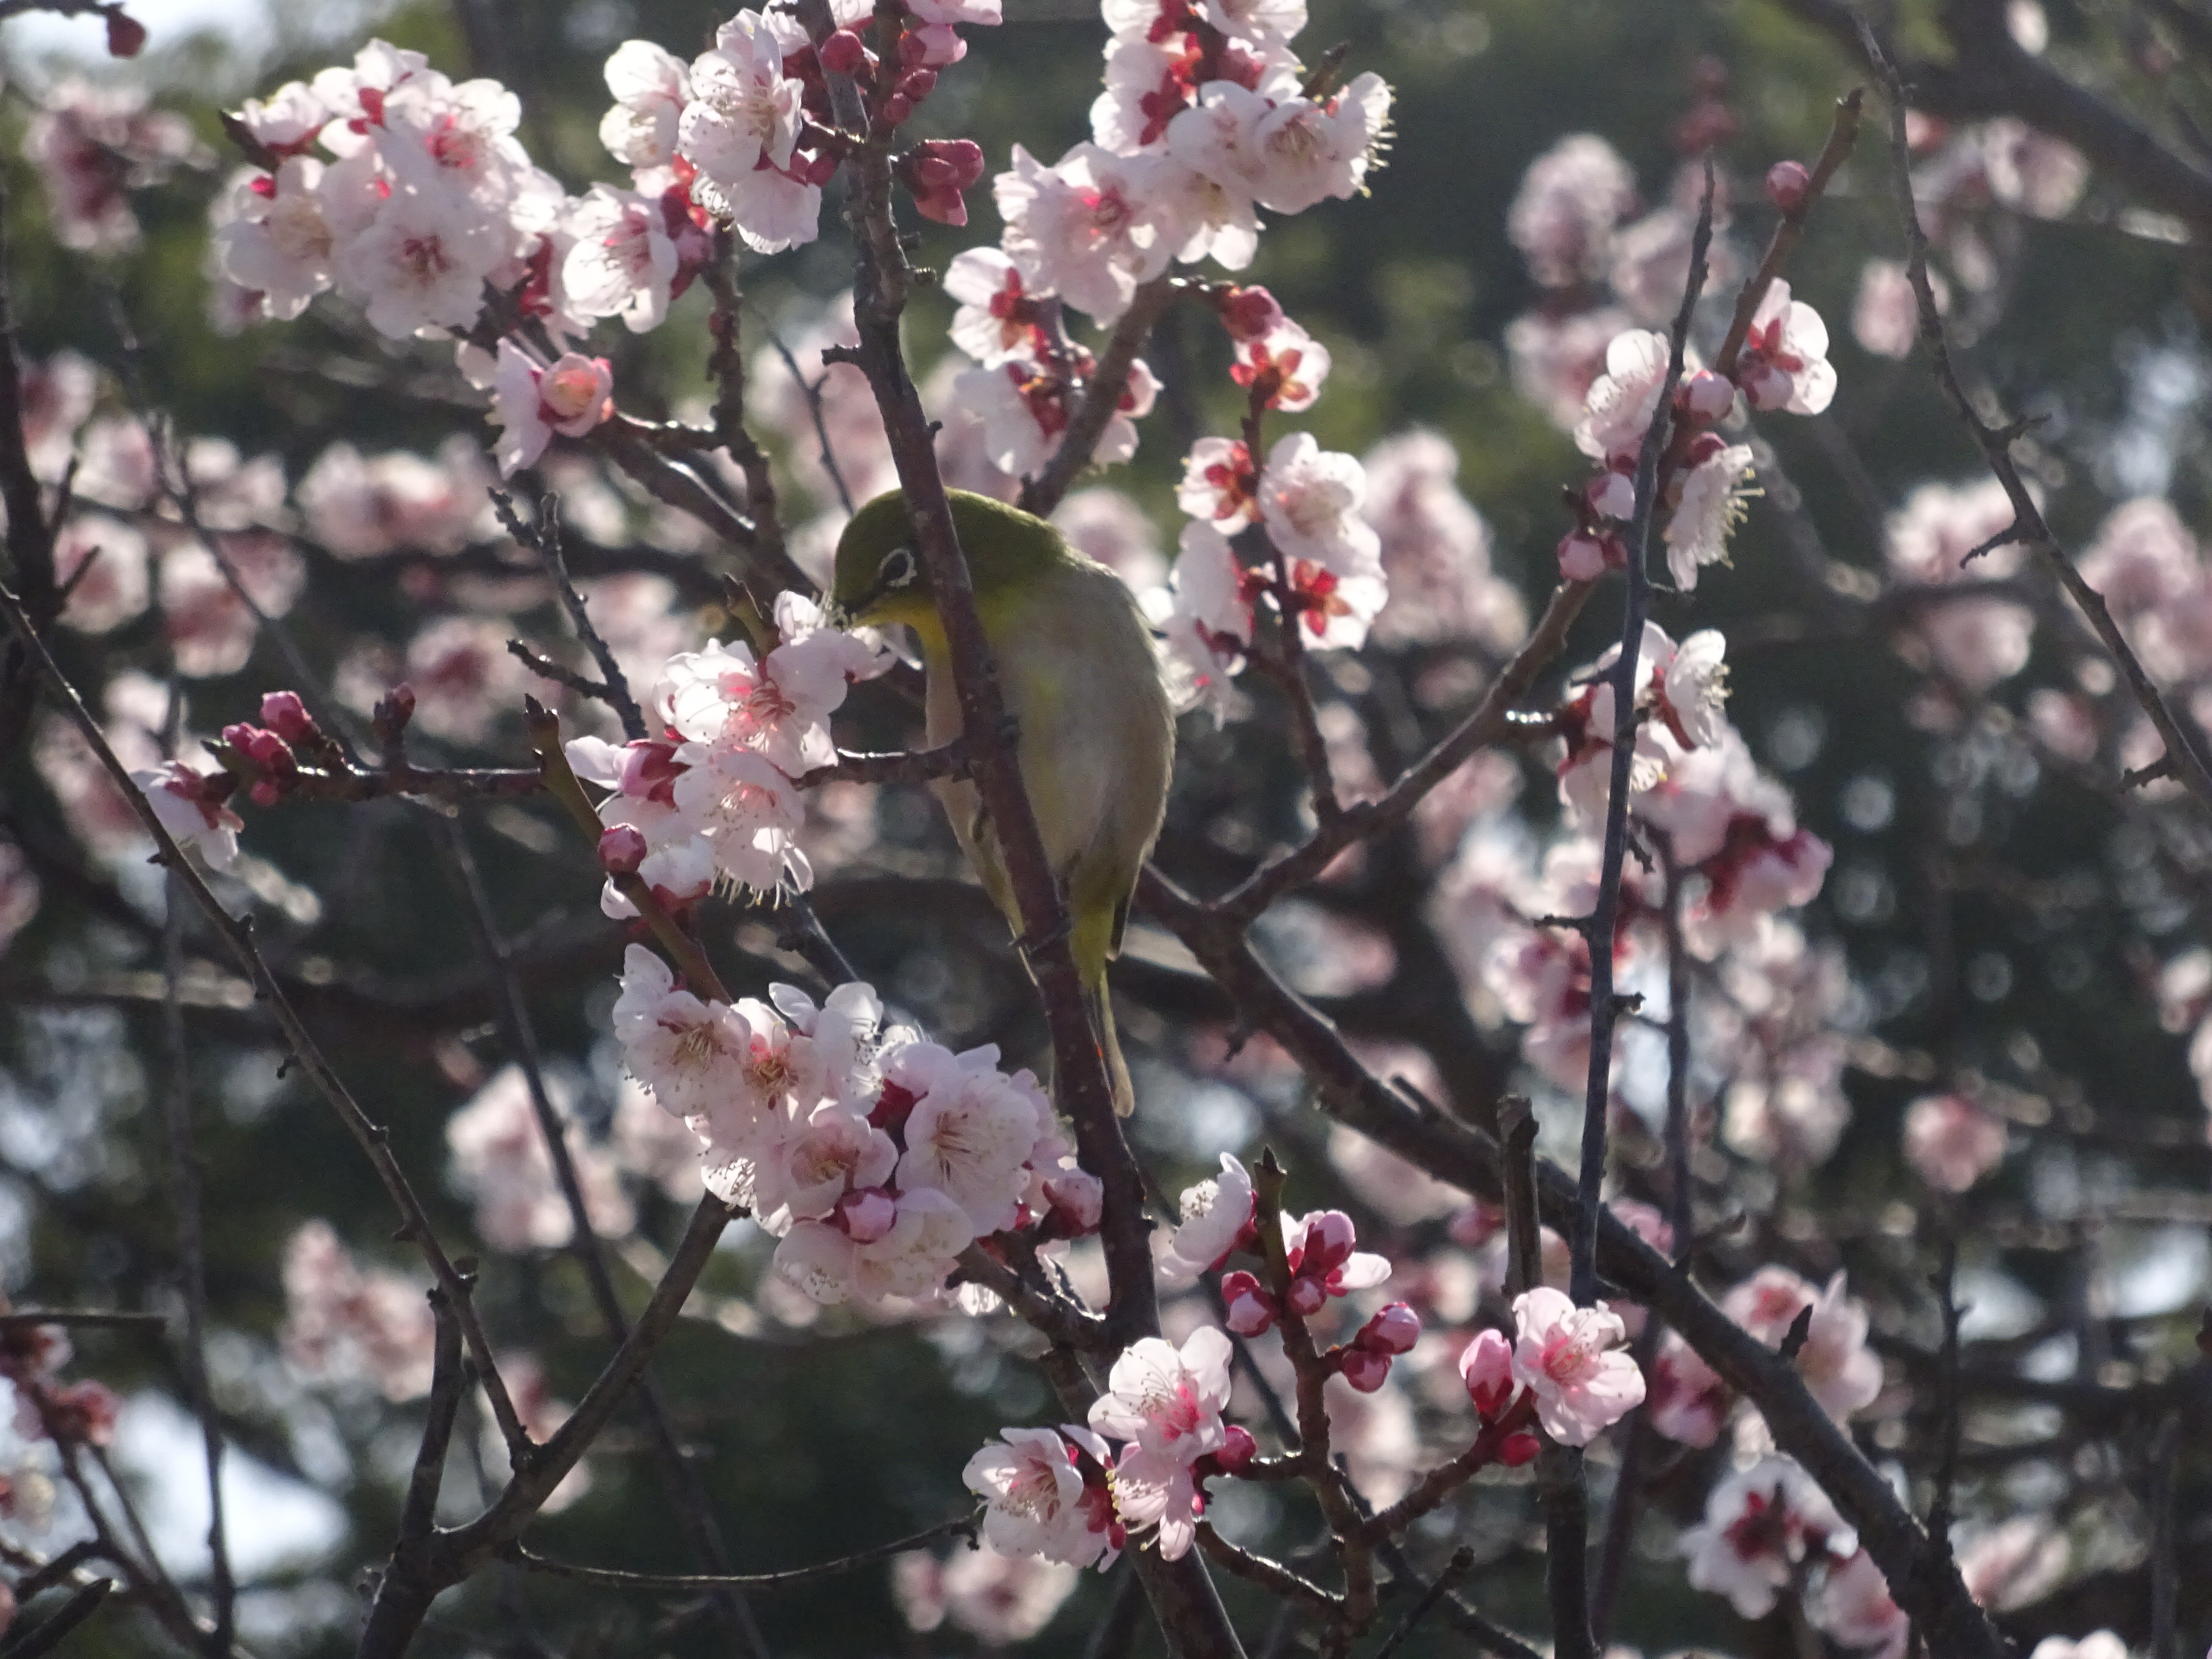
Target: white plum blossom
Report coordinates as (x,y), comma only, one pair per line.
(278,244)
(1617,411)
(1090,228)
(1168,1401)
(1218,483)
(420,262)
(651,86)
(1264,22)
(623,262)
(971,1133)
(1714,490)
(1034,1500)
(1285,155)
(190,808)
(1215,1214)
(751,813)
(1310,499)
(992,323)
(1763,1526)
(739,133)
(685,1050)
(1784,362)
(1206,612)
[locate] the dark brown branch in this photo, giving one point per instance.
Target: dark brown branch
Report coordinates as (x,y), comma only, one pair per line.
(1843,134)
(612,688)
(918,766)
(46,1636)
(1101,398)
(453,785)
(1269,1575)
(1491,722)
(26,1318)
(448,1381)
(960,1526)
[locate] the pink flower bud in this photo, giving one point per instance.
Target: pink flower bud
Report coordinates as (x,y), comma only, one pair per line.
(1251,1310)
(284,713)
(896,110)
(1309,1296)
(622,849)
(1485,1365)
(1582,558)
(1787,184)
(1519,1449)
(264,750)
(1076,1200)
(1327,1239)
(1238,1449)
(866,1215)
(1363,1368)
(918,83)
(1706,395)
(1393,1330)
(1612,495)
(845,53)
(266,792)
(1250,313)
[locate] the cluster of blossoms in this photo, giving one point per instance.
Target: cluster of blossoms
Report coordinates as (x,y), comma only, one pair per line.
(875,1158)
(92,145)
(80,1413)
(712,797)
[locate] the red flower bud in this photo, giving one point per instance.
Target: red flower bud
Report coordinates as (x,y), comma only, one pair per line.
(1787,184)
(896,110)
(127,35)
(918,83)
(1363,1368)
(1308,1295)
(284,713)
(1238,1449)
(1393,1331)
(622,849)
(1518,1449)
(1250,313)
(845,53)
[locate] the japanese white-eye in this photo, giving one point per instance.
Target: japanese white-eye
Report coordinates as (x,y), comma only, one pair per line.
(1080,676)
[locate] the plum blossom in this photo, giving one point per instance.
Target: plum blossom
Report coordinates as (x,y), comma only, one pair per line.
(1569,1358)
(1090,228)
(1218,481)
(1762,1526)
(419,262)
(1785,362)
(1283,369)
(623,263)
(750,812)
(686,1051)
(1216,1217)
(1207,615)
(1617,410)
(190,805)
(971,1133)
(1711,504)
(998,1599)
(997,319)
(1853,1606)
(1168,1401)
(531,402)
(1035,1498)
(1285,154)
(739,133)
(1952,1142)
(1562,218)
(1310,500)
(342,1321)
(651,86)
(277,242)
(498,1158)
(1839,1371)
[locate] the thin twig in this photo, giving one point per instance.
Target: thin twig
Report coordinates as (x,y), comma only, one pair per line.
(1460,1564)
(191,1263)
(1101,396)
(1843,134)
(1269,1575)
(1996,444)
(960,1526)
(1597,1098)
(949,760)
(448,1383)
(544,539)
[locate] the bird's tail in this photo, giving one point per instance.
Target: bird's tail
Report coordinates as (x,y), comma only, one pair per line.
(1100,1003)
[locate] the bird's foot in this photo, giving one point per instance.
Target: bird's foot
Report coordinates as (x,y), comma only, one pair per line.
(1030,943)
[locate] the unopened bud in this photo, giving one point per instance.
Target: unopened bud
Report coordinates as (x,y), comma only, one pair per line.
(284,713)
(1706,395)
(1250,313)
(395,709)
(1485,1365)
(1251,1310)
(817,169)
(1237,1450)
(622,849)
(1787,184)
(1519,1449)
(1308,1295)
(1363,1368)
(127,35)
(1611,496)
(866,1215)
(918,83)
(844,53)
(896,110)
(1393,1330)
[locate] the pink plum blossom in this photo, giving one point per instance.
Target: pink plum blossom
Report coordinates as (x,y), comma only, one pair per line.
(651,88)
(1952,1142)
(1568,1357)
(1167,1400)
(1763,1525)
(1785,362)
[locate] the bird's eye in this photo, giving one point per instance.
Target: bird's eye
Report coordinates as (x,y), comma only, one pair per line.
(898,568)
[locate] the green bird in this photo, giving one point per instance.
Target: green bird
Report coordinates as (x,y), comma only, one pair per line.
(1079,677)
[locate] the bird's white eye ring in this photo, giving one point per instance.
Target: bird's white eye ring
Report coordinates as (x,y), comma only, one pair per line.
(897,569)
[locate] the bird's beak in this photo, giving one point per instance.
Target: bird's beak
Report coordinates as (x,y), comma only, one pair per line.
(834,615)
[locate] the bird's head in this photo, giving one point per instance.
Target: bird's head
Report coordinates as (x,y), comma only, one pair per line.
(879,576)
